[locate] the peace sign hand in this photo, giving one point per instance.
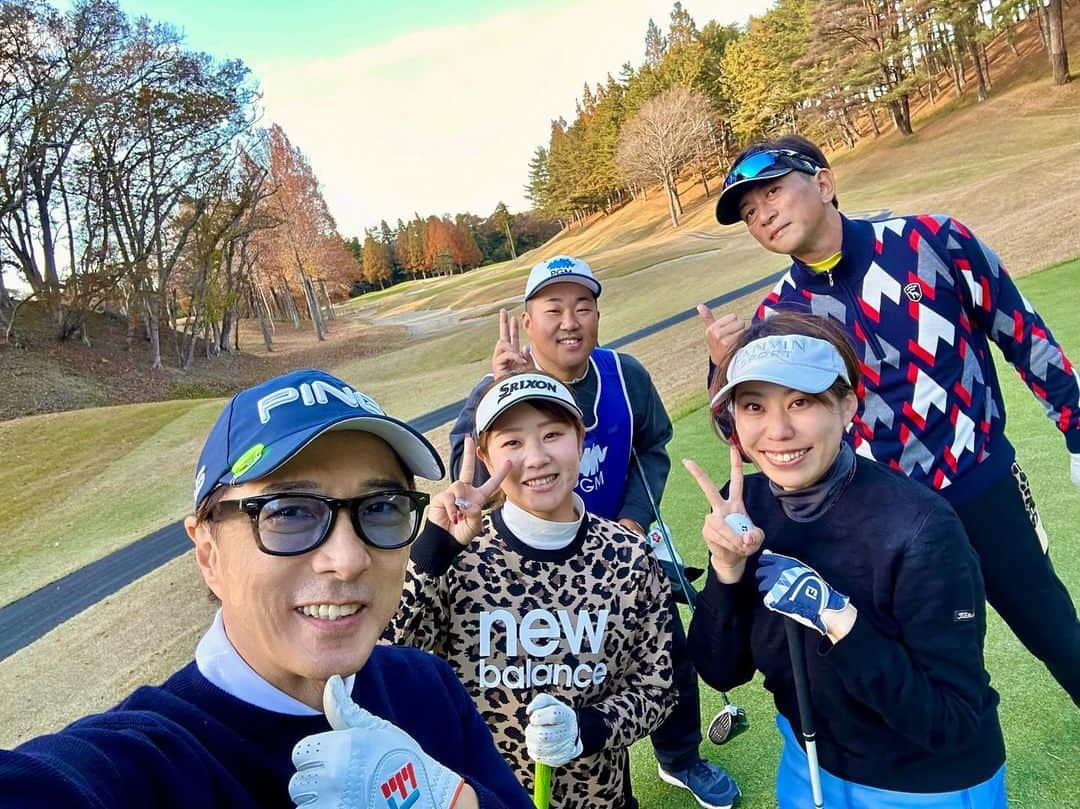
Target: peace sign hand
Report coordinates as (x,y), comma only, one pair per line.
(508,356)
(459,509)
(728,532)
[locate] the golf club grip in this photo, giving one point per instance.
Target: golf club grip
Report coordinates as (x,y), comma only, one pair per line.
(542,786)
(798,671)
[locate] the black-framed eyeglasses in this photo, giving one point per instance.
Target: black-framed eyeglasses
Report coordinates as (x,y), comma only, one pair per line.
(291,524)
(758,163)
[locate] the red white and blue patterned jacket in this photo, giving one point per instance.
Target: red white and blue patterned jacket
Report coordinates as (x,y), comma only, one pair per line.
(922,297)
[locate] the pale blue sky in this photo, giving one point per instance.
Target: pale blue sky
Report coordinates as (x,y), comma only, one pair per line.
(424,105)
(267,29)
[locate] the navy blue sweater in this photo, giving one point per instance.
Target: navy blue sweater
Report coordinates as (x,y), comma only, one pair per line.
(187,743)
(903,702)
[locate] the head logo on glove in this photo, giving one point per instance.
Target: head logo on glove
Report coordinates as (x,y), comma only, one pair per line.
(363,757)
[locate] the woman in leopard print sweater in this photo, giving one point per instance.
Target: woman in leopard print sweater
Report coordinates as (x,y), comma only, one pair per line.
(553,618)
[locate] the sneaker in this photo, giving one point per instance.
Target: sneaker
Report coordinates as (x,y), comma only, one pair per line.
(709,784)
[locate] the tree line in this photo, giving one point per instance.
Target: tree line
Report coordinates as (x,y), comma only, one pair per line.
(136,181)
(444,245)
(836,71)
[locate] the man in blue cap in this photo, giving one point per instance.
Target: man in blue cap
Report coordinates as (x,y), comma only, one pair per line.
(304,512)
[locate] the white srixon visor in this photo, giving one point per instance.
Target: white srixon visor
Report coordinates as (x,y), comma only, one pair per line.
(522,388)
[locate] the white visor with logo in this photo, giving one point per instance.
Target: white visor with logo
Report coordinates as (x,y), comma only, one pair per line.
(519,388)
(795,361)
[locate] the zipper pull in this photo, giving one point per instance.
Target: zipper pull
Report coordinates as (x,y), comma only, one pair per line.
(829,274)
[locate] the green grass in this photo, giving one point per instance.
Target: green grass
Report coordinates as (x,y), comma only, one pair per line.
(1041,725)
(79,487)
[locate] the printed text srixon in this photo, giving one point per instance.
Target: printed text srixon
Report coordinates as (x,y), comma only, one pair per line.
(506,388)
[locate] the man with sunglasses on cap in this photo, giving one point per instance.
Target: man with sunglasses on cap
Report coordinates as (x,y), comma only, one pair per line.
(304,512)
(922,298)
(624,459)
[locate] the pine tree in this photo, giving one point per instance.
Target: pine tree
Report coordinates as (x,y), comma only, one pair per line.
(376,261)
(588,101)
(683,29)
(655,45)
(539,188)
(873,51)
(467,251)
(760,75)
(504,221)
(417,246)
(401,247)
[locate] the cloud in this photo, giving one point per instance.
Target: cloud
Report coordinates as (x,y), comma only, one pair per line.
(446,119)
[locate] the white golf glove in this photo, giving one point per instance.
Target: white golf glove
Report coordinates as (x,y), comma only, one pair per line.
(552,736)
(366,761)
(1074,468)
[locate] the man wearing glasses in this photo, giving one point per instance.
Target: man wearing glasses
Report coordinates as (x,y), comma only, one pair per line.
(304,513)
(921,298)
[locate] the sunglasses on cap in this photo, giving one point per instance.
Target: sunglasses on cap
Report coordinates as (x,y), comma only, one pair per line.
(291,524)
(760,163)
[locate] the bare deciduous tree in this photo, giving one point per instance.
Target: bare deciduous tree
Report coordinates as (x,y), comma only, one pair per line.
(669,130)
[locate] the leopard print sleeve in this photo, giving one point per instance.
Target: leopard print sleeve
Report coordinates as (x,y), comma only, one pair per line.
(423,616)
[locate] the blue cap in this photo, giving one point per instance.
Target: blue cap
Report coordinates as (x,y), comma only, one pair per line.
(263,427)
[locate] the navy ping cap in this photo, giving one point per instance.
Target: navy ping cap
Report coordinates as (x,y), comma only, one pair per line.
(264,426)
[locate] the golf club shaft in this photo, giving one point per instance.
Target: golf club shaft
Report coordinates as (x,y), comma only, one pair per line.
(542,786)
(806,712)
(662,528)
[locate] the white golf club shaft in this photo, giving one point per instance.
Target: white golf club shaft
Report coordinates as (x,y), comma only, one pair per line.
(806,710)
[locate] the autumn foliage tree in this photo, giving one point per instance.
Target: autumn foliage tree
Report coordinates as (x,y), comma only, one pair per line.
(112,139)
(376,259)
(304,257)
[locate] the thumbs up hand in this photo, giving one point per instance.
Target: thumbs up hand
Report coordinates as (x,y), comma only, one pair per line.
(366,761)
(720,332)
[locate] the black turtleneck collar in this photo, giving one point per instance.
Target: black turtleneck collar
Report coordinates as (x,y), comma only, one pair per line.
(806,505)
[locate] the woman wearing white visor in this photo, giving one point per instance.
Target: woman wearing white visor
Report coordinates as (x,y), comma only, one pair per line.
(554,619)
(875,570)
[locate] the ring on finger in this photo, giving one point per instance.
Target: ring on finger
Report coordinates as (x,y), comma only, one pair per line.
(461,503)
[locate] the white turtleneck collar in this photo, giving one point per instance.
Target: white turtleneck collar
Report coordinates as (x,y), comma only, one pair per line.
(220,663)
(543,535)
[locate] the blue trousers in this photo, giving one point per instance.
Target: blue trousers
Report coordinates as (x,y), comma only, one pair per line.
(793,787)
